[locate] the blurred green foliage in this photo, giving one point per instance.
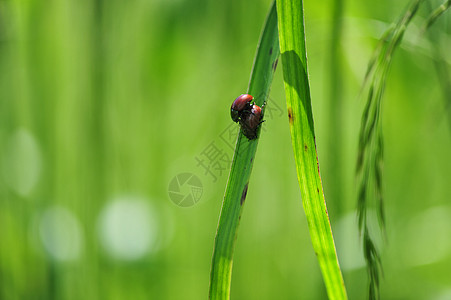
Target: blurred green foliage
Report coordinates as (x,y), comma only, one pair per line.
(103,103)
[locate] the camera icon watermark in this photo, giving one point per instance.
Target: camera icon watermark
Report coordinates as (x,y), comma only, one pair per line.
(185,189)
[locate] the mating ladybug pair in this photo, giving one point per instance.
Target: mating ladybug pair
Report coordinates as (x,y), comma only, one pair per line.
(248,114)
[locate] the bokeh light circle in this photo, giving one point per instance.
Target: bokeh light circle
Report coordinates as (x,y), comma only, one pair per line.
(21,162)
(128,228)
(61,234)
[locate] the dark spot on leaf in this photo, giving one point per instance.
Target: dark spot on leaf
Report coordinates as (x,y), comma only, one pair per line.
(243,195)
(317,190)
(270,51)
(305,147)
(290,115)
(274,64)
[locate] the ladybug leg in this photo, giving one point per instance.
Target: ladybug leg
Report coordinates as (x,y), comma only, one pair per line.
(264,104)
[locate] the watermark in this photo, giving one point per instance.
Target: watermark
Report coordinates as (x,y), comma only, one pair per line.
(214,161)
(185,189)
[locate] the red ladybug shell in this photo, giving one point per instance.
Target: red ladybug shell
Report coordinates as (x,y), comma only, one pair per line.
(255,116)
(241,102)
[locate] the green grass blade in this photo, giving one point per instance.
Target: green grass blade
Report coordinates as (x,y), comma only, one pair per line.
(261,78)
(294,61)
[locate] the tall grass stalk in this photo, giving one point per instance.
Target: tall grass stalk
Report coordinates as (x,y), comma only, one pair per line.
(237,187)
(297,91)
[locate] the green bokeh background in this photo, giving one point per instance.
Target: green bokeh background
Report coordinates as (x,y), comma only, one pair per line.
(103,103)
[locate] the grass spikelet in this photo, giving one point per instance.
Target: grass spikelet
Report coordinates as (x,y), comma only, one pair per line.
(369,168)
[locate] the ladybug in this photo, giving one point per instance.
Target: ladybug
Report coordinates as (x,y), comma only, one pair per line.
(240,107)
(250,122)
